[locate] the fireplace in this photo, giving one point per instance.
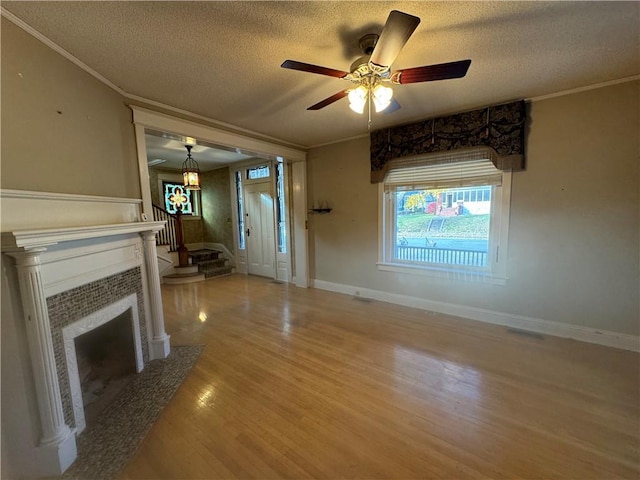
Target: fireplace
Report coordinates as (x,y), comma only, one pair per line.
(100,350)
(79,311)
(77,290)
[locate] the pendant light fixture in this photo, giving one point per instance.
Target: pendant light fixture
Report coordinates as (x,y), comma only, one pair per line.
(190,171)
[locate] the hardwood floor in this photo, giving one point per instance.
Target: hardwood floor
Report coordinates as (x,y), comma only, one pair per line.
(299,383)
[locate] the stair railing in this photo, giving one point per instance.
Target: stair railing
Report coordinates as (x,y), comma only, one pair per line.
(172,234)
(168,235)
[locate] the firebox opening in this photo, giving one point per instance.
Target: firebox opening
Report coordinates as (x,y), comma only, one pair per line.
(106,363)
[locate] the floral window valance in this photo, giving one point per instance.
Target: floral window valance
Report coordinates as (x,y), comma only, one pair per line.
(500,127)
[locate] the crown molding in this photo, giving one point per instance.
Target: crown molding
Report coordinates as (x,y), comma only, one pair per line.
(595,86)
(235,129)
(58,49)
(136,98)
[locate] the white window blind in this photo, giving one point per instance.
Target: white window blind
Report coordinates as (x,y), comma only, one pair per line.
(443,175)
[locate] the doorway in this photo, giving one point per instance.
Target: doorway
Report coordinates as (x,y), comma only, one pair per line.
(259,224)
(291,256)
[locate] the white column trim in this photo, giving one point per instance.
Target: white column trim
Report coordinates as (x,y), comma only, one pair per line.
(299,227)
(160,347)
(57,441)
(143,171)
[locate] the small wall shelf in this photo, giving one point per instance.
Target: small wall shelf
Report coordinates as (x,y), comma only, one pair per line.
(320,210)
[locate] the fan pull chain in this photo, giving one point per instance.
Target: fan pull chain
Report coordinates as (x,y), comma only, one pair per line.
(433,131)
(369,110)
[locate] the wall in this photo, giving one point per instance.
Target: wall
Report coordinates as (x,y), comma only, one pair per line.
(216,207)
(88,148)
(67,130)
(574,231)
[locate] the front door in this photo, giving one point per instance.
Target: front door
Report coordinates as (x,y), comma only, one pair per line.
(261,250)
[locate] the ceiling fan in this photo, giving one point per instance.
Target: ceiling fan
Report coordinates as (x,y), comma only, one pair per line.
(371,72)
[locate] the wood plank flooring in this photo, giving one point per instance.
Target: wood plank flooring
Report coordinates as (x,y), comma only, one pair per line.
(303,383)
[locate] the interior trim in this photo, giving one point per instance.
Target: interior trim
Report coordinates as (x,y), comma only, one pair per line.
(584,334)
(71,197)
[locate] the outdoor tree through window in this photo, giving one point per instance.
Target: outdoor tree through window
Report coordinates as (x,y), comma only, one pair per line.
(446,217)
(444,226)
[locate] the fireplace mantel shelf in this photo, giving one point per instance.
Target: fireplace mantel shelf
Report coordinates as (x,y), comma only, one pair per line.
(30,239)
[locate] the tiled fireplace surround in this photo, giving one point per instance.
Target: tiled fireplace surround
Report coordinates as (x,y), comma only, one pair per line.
(72,308)
(66,276)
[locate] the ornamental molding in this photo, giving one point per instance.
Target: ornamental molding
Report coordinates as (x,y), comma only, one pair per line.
(30,239)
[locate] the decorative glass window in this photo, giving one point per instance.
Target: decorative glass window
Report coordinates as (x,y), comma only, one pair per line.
(176,197)
(258,172)
(280,209)
(240,211)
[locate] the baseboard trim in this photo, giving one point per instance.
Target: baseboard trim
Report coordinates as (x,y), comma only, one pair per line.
(576,332)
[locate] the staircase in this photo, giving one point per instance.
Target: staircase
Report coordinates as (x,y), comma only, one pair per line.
(435,224)
(210,263)
(192,266)
(203,264)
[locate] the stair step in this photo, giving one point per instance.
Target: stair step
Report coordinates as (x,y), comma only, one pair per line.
(186,270)
(198,256)
(218,271)
(180,278)
(206,264)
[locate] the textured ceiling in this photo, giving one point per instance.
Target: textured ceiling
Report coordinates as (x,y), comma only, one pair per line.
(171,150)
(222,59)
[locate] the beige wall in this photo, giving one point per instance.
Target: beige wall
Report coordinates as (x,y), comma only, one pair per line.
(574,232)
(216,207)
(87,148)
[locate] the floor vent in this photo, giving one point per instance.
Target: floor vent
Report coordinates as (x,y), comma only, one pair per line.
(276,282)
(525,333)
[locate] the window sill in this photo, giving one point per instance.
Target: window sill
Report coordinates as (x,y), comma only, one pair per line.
(191,217)
(458,274)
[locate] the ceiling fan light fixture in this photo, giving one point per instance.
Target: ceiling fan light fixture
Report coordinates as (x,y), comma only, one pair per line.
(382,96)
(358,99)
(190,171)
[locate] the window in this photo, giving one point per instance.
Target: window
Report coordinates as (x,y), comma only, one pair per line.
(176,197)
(258,172)
(280,209)
(240,203)
(446,218)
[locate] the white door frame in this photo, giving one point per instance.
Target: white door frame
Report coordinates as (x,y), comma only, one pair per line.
(144,118)
(284,261)
(268,237)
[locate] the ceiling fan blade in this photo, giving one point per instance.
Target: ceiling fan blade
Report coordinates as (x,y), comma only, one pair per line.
(307,67)
(430,73)
(394,106)
(395,34)
(329,101)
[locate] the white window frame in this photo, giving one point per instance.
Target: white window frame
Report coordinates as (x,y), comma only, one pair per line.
(496,270)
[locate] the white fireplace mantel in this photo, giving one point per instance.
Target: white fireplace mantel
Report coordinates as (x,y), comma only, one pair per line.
(51,260)
(28,239)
